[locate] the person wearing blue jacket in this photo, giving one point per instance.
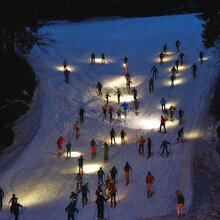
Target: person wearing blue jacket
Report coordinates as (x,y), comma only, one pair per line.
(134,91)
(85,190)
(163,103)
(68,149)
(100,175)
(71,209)
(125,106)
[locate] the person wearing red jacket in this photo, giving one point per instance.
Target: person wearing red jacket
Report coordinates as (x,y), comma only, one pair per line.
(60,143)
(162,123)
(110,111)
(149,181)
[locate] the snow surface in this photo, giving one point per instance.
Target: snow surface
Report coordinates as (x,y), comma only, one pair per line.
(43,182)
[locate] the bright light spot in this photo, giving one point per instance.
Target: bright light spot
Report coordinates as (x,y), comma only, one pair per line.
(117,140)
(124,65)
(168,104)
(70,68)
(169,53)
(166,59)
(73,154)
(204,58)
(90,168)
(99,60)
(149,123)
(177,81)
(193,134)
(180,68)
(124,98)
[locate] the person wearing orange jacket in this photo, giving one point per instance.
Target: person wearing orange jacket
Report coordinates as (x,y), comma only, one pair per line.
(149,182)
(60,143)
(162,123)
(141,142)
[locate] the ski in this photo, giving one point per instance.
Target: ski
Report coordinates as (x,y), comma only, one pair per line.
(58,155)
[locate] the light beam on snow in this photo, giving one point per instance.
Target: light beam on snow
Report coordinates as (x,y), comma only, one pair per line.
(168,104)
(70,68)
(100,61)
(166,59)
(177,81)
(204,59)
(169,52)
(124,98)
(117,140)
(73,154)
(90,168)
(180,68)
(193,134)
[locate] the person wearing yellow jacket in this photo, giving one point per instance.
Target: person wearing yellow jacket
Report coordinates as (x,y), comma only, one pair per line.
(141,142)
(107,184)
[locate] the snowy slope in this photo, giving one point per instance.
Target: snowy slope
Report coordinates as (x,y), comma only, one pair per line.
(43,182)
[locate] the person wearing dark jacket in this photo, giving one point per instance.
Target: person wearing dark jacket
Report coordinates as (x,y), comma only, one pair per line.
(78,181)
(73,196)
(151,85)
(80,160)
(12,201)
(113,173)
(123,134)
(180,113)
(180,204)
(93,148)
(155,72)
(180,134)
(113,192)
(164,145)
(100,175)
(71,209)
(149,147)
(100,205)
(15,209)
(112,136)
(1,197)
(99,87)
(81,115)
(85,191)
(127,169)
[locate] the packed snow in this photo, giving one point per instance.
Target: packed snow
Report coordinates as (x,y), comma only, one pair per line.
(43,182)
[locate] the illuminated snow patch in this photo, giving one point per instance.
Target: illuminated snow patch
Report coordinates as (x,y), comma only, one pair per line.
(165,59)
(178,81)
(73,154)
(70,68)
(91,168)
(193,134)
(124,98)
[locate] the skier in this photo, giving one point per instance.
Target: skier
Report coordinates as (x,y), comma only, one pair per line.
(99,189)
(77,126)
(201,56)
(125,106)
(180,113)
(80,162)
(149,182)
(128,85)
(78,181)
(71,209)
(125,61)
(112,136)
(127,169)
(93,148)
(163,103)
(107,184)
(194,69)
(81,115)
(177,45)
(165,48)
(64,64)
(103,58)
(172,113)
(123,134)
(151,85)
(162,123)
(110,112)
(92,58)
(113,173)
(119,94)
(66,74)
(107,96)
(173,70)
(149,142)
(68,149)
(73,197)
(180,204)
(180,134)
(119,114)
(136,106)
(172,78)
(177,62)
(60,142)
(100,205)
(85,191)
(155,71)
(1,197)
(12,201)
(99,87)
(104,111)
(113,192)
(141,142)
(134,91)
(100,175)
(15,208)
(181,55)
(164,145)
(105,148)
(161,56)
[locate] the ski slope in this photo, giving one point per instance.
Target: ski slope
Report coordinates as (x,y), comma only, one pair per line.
(43,182)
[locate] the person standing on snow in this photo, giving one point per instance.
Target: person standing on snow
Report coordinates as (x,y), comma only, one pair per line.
(76,127)
(66,74)
(180,204)
(85,191)
(128,85)
(127,170)
(141,142)
(155,72)
(134,91)
(177,62)
(68,149)
(73,197)
(161,56)
(78,181)
(172,78)
(136,106)
(93,148)
(104,111)
(100,175)
(123,134)
(107,96)
(163,103)
(99,87)
(80,163)
(125,107)
(177,45)
(64,64)
(71,209)
(100,205)
(12,201)
(162,123)
(165,48)
(15,208)
(149,142)
(180,134)
(181,55)
(180,113)
(165,145)
(113,173)
(173,70)
(194,69)
(201,56)
(112,136)
(172,113)
(113,192)
(1,197)
(103,58)
(105,148)
(149,182)
(60,143)
(110,111)
(92,58)
(81,115)
(119,94)
(107,184)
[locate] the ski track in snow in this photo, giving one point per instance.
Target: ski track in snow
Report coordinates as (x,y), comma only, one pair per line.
(43,182)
